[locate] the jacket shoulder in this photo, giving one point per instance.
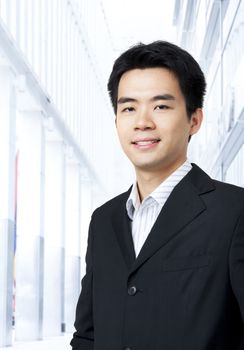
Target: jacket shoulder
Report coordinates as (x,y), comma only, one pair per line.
(232,193)
(228,187)
(204,183)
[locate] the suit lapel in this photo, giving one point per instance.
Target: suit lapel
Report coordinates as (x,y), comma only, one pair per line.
(183,206)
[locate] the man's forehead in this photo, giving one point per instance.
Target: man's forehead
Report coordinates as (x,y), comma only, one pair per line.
(154,83)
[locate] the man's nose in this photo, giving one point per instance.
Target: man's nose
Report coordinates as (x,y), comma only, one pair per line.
(144,120)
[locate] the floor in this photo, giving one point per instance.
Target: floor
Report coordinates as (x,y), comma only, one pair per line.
(58,343)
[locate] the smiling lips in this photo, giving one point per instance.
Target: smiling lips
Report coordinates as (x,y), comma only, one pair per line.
(145,143)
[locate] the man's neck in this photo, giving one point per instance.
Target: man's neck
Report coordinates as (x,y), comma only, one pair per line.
(148,181)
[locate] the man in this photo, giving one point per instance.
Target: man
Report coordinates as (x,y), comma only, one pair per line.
(165,260)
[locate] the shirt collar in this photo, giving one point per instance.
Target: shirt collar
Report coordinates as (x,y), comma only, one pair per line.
(161,193)
(133,202)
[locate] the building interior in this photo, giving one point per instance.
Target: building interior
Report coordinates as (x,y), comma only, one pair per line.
(59,153)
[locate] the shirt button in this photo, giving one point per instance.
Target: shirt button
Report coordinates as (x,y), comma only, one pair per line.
(132,291)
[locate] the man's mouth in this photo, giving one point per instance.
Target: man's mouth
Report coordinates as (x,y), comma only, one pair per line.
(145,142)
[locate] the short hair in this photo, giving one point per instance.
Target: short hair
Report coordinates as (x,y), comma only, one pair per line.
(162,54)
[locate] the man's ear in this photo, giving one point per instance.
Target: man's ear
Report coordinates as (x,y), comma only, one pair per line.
(196,121)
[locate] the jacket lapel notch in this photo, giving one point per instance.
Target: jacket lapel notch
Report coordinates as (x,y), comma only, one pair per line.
(183,206)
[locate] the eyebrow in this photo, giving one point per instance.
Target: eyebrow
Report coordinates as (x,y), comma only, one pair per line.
(164,97)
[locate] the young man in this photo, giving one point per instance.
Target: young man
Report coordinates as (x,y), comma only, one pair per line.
(165,260)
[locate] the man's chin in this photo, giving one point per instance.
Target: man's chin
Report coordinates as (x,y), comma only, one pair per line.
(148,167)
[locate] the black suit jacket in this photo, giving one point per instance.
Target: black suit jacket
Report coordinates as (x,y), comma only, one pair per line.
(184,291)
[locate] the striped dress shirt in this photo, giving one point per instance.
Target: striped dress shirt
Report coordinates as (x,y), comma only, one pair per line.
(144,214)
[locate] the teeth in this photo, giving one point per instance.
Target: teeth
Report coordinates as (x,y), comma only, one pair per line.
(144,143)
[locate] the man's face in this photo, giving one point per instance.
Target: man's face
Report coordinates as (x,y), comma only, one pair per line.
(152,121)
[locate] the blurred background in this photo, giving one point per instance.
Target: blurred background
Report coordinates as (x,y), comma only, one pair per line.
(59,154)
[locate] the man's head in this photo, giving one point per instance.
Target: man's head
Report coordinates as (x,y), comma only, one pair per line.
(157,93)
(162,54)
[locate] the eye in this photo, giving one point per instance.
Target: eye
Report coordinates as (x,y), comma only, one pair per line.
(161,107)
(128,109)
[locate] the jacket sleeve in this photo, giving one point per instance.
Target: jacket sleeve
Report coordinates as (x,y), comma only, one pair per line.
(236,261)
(83,338)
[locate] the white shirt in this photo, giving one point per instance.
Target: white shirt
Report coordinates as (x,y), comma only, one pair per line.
(144,215)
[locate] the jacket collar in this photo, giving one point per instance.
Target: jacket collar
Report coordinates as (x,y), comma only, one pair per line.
(183,205)
(160,194)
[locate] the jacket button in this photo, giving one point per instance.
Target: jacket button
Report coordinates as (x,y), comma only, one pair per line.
(126,349)
(131,291)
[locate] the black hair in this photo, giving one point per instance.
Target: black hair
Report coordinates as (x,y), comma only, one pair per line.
(162,54)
